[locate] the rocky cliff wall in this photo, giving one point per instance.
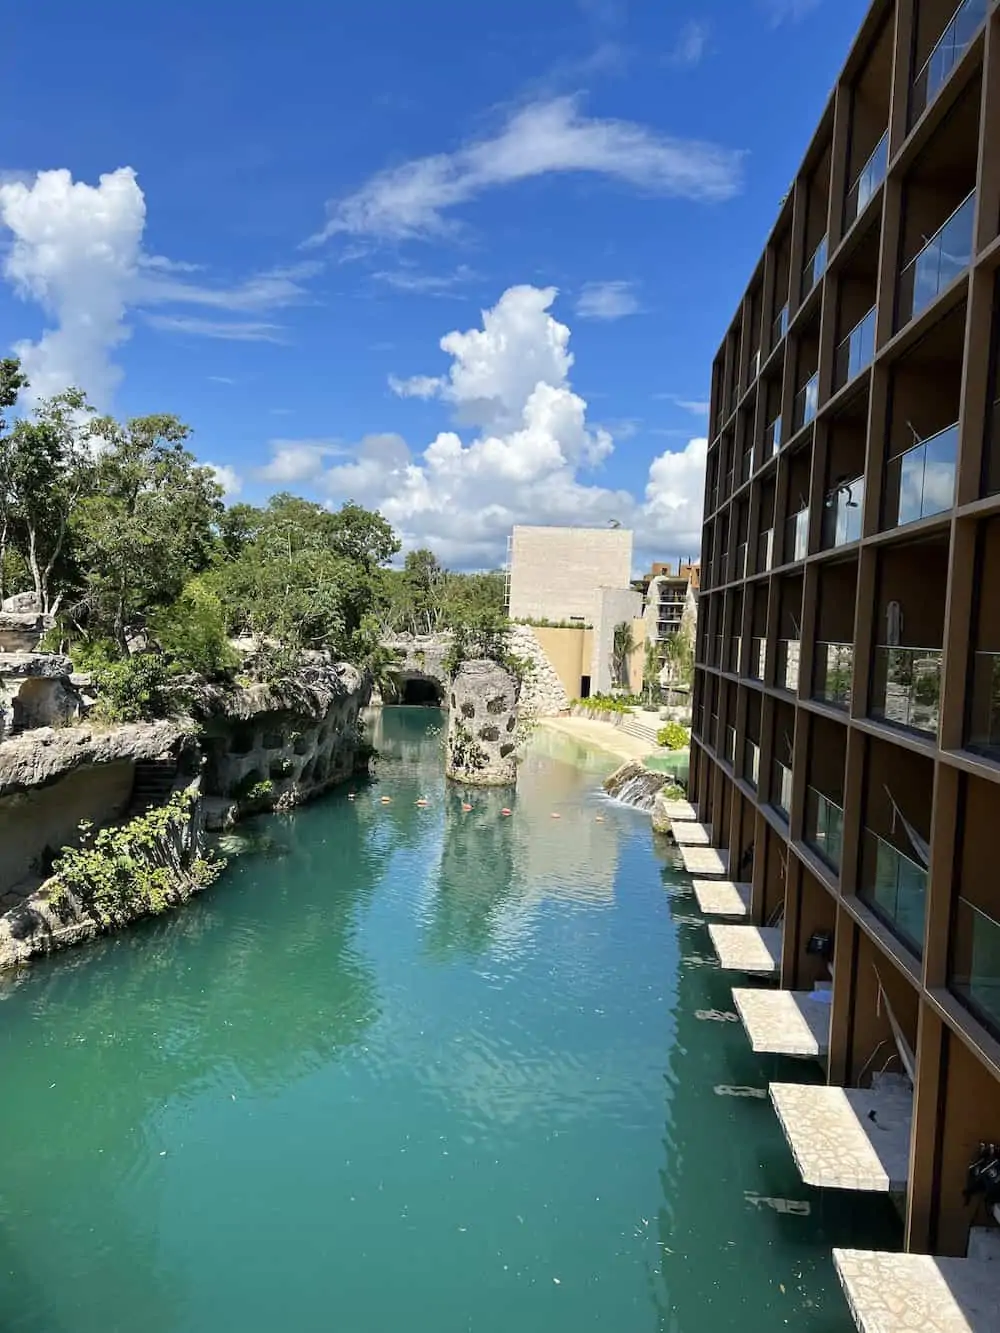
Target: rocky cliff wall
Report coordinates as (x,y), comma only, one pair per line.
(481,746)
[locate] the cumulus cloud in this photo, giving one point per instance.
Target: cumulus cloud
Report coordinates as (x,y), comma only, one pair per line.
(607,300)
(76,250)
(297,461)
(545,137)
(228,478)
(529,455)
(788,11)
(698,407)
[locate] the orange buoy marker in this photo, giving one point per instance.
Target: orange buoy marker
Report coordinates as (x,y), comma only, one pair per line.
(466,807)
(505,811)
(422,801)
(386,800)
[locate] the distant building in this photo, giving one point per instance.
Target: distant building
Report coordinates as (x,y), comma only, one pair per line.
(577,582)
(671,602)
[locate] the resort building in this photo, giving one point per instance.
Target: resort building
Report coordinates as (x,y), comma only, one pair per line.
(671,603)
(573,585)
(846,752)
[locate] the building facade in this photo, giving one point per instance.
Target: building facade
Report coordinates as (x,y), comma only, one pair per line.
(671,603)
(846,747)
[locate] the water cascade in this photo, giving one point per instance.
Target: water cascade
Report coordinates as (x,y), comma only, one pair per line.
(632,784)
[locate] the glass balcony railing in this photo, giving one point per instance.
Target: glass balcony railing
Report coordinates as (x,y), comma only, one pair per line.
(754,370)
(787,654)
(945,256)
(797,536)
(751,762)
(806,403)
(765,550)
(856,352)
(713,731)
(895,887)
(824,827)
(984,710)
(921,481)
(730,749)
(755,659)
(744,467)
(975,963)
(772,437)
(957,36)
(814,269)
(870,177)
(781,788)
(843,514)
(735,654)
(906,688)
(832,673)
(717,651)
(779,327)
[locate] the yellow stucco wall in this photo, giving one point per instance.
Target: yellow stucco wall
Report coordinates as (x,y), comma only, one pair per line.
(569,652)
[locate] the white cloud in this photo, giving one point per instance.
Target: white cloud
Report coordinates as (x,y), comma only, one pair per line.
(410,280)
(416,386)
(606,300)
(539,139)
(75,251)
(221,379)
(298,460)
(698,407)
(692,42)
(789,11)
(228,478)
(229,330)
(526,458)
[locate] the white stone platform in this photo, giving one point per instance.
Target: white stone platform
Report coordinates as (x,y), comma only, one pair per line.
(784,1022)
(722,897)
(916,1293)
(692,834)
(755,950)
(680,811)
(835,1142)
(704,860)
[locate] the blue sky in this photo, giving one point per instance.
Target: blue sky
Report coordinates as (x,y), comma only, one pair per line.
(266,219)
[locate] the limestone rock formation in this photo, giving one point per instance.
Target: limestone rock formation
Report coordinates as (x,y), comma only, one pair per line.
(482,724)
(22,602)
(543,693)
(45,755)
(21,631)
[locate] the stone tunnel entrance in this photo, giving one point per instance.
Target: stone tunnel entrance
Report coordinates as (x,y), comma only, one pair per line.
(421,691)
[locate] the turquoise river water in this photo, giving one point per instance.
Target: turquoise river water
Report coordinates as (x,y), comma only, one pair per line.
(410,1068)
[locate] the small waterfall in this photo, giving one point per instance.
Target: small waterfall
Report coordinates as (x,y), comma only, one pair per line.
(634,785)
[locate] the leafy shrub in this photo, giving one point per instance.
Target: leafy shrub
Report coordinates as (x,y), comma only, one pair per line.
(192,631)
(252,789)
(127,871)
(673,736)
(603,703)
(135,689)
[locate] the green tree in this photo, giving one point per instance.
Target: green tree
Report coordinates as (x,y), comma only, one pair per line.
(45,469)
(622,648)
(146,527)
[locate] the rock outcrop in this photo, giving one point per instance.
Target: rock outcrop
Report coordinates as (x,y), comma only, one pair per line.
(45,756)
(632,784)
(36,691)
(275,746)
(21,631)
(482,723)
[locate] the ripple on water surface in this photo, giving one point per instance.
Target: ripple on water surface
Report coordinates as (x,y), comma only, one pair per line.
(410,1066)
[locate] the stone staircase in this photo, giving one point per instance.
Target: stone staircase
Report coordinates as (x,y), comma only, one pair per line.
(640,728)
(154,781)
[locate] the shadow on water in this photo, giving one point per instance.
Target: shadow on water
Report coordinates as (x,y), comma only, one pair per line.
(727,1162)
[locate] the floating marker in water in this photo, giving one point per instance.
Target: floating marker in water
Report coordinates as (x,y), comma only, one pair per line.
(598,819)
(466,807)
(386,800)
(505,811)
(556,814)
(422,801)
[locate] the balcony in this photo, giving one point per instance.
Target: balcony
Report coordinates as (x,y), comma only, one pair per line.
(906,688)
(895,888)
(869,179)
(975,969)
(806,403)
(856,352)
(788,652)
(744,468)
(923,477)
(755,659)
(843,514)
(754,367)
(984,714)
(751,762)
(824,827)
(772,437)
(779,326)
(957,36)
(797,536)
(814,269)
(832,673)
(781,788)
(765,551)
(735,654)
(945,256)
(717,658)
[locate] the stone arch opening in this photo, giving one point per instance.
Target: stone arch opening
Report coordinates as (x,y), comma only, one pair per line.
(421,691)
